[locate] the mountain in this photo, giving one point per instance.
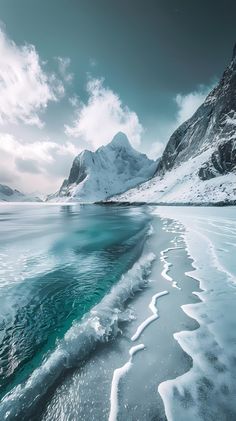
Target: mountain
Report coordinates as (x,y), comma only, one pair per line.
(199,162)
(7,194)
(109,170)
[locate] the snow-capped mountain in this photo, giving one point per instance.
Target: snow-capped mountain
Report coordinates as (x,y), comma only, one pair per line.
(109,170)
(199,162)
(7,194)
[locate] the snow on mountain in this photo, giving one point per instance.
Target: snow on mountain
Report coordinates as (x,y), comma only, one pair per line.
(199,162)
(182,185)
(109,170)
(7,194)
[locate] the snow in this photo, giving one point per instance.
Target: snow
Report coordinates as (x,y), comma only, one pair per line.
(231,118)
(112,169)
(183,185)
(208,390)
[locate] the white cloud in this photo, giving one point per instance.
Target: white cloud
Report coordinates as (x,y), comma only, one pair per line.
(189,103)
(74,101)
(38,165)
(102,117)
(25,88)
(156,149)
(64,64)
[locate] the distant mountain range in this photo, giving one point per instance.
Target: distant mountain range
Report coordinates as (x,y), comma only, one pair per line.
(7,194)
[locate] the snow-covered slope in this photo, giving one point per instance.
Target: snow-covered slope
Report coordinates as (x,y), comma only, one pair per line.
(112,169)
(7,194)
(182,185)
(199,161)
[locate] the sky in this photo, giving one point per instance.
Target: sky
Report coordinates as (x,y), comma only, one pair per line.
(74,73)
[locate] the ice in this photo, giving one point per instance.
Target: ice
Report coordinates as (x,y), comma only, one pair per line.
(208,390)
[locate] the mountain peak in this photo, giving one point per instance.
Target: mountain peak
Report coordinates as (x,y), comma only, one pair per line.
(120,140)
(109,170)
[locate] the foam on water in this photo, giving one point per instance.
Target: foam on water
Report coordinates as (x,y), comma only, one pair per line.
(167,266)
(99,325)
(119,373)
(117,376)
(150,319)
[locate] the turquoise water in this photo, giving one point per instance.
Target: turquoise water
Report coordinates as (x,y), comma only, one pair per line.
(56,263)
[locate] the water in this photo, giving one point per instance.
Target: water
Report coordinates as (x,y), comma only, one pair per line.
(80,336)
(56,263)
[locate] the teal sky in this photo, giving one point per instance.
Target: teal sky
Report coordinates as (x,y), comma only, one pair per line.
(160,57)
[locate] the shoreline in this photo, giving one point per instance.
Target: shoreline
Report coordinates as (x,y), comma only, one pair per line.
(174,348)
(207,390)
(159,358)
(175,204)
(126,203)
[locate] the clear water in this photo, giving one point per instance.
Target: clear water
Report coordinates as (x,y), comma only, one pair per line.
(56,263)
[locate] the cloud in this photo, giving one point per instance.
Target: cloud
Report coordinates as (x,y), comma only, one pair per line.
(156,150)
(63,65)
(27,165)
(47,163)
(102,117)
(189,103)
(74,101)
(5,177)
(25,87)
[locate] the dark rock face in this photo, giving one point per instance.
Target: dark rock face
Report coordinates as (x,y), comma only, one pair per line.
(212,126)
(77,174)
(222,161)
